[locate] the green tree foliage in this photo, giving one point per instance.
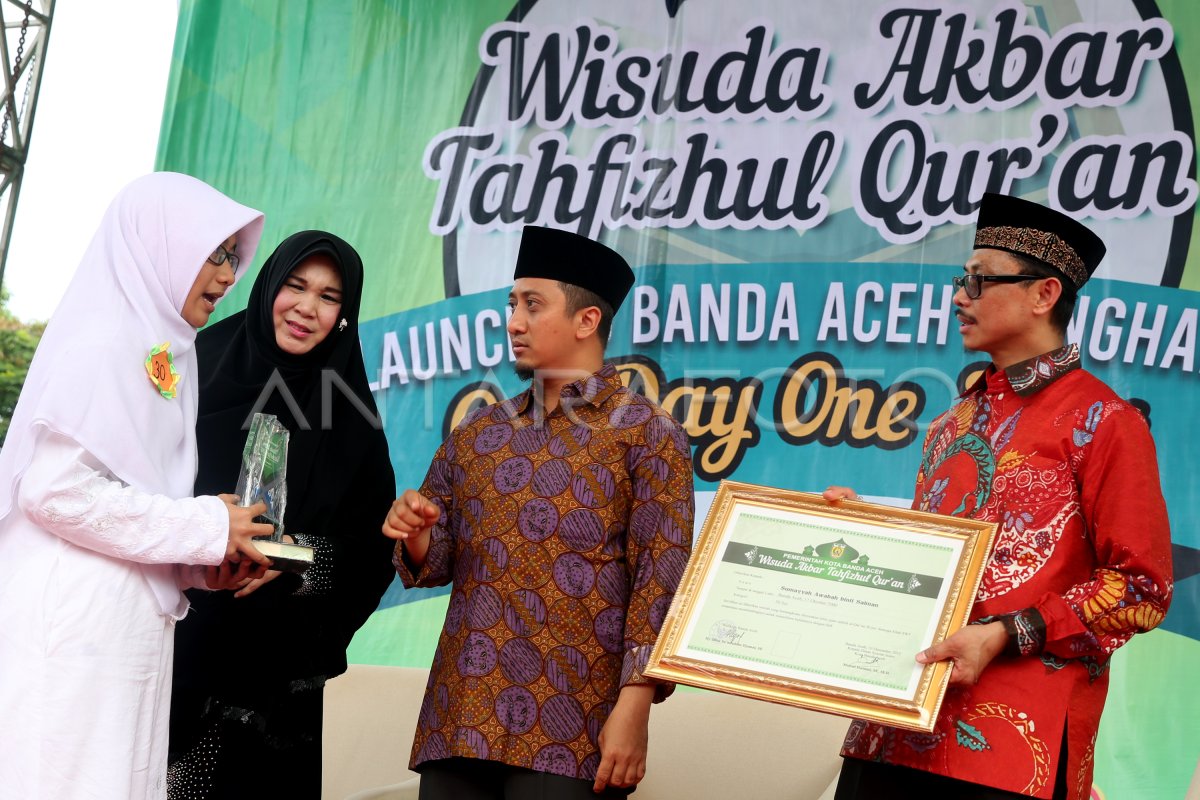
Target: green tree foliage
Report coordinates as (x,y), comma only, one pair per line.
(18,340)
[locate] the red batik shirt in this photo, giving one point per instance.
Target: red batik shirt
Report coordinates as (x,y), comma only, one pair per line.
(565,538)
(1081,562)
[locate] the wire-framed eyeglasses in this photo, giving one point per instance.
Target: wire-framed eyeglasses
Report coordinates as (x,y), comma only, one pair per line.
(973,284)
(221,255)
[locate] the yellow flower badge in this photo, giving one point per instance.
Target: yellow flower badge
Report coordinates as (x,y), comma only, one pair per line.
(160,366)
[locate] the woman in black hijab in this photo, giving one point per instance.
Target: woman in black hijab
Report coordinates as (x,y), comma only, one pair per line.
(250,666)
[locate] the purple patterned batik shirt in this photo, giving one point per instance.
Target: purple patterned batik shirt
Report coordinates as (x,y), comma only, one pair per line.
(565,537)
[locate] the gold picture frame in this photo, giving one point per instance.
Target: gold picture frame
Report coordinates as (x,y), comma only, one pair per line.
(794,600)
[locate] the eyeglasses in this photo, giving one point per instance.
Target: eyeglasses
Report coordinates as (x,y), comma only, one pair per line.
(221,255)
(973,284)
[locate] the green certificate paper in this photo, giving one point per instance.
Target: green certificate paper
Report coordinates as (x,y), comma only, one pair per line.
(846,605)
(825,606)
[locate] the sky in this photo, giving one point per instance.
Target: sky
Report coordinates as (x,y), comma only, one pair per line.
(96,128)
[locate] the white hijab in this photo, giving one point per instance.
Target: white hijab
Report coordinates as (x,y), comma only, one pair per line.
(88,379)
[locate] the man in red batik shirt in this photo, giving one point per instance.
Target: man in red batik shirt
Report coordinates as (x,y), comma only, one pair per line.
(563,519)
(1082,556)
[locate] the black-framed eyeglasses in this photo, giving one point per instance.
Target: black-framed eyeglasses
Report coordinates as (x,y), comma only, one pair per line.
(221,255)
(973,284)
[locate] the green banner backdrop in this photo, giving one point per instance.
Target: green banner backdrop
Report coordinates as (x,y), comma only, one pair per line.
(794,185)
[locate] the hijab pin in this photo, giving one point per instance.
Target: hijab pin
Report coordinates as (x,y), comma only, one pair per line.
(160,366)
(343,324)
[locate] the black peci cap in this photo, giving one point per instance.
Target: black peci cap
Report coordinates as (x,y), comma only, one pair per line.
(570,258)
(1030,229)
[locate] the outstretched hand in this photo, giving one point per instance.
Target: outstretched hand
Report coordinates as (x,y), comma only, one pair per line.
(410,519)
(411,516)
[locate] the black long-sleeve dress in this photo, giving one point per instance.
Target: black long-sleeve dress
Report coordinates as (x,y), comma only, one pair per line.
(249,672)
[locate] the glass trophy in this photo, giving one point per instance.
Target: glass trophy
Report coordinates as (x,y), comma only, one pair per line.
(263,478)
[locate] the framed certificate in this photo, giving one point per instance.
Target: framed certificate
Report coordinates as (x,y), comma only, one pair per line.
(794,600)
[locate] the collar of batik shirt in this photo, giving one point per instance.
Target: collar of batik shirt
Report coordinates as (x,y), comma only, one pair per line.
(1034,374)
(593,389)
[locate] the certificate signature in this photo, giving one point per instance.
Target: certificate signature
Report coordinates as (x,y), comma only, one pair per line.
(726,632)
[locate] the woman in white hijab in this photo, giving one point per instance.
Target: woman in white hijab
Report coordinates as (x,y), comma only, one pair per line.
(97,522)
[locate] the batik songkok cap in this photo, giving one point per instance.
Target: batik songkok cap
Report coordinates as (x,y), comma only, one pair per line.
(1029,229)
(570,258)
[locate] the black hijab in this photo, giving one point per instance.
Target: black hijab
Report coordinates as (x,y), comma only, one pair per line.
(239,359)
(340,485)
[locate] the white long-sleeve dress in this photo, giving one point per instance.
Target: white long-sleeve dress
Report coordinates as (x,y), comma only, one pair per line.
(89,596)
